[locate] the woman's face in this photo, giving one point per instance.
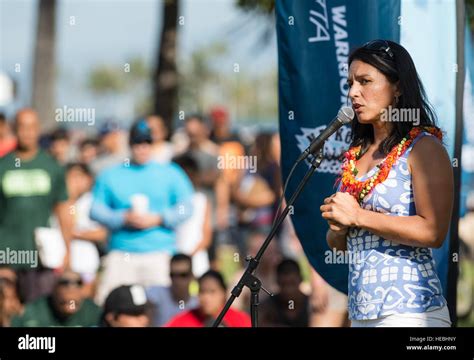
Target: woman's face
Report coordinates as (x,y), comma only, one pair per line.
(370,91)
(211,297)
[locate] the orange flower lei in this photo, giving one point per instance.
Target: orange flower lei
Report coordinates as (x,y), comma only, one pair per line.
(360,189)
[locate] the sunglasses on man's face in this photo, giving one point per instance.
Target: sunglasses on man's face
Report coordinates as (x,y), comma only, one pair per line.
(70,282)
(180,274)
(380,46)
(7,281)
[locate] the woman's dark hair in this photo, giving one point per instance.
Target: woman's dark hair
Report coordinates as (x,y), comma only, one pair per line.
(214,275)
(397,65)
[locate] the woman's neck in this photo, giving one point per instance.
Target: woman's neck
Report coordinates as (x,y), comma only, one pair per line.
(382,130)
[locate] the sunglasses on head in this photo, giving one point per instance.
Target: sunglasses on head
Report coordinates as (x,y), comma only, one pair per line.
(380,46)
(180,274)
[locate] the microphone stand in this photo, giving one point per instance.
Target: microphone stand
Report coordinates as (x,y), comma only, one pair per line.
(249,279)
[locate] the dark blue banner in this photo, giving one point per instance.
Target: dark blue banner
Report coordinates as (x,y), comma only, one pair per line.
(314,41)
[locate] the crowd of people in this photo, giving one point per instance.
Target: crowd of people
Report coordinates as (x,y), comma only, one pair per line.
(127,227)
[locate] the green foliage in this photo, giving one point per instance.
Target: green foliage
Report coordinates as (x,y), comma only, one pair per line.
(105,79)
(207,78)
(112,78)
(139,71)
(260,6)
(261,14)
(465,293)
(196,73)
(470,13)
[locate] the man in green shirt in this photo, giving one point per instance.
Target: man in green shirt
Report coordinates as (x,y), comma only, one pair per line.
(32,187)
(66,306)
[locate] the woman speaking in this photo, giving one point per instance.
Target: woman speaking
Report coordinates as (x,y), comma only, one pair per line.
(395,194)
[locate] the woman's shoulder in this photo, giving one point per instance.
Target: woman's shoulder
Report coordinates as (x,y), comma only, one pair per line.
(428,149)
(425,142)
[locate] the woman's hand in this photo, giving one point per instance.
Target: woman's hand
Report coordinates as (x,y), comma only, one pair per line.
(337,228)
(341,210)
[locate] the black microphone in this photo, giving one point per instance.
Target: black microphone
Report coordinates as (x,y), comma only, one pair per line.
(344,116)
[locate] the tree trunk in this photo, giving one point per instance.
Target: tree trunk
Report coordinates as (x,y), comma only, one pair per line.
(43,98)
(165,79)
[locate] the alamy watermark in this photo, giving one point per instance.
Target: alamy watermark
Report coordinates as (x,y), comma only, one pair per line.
(19,257)
(400,115)
(237,162)
(71,114)
(334,256)
(28,342)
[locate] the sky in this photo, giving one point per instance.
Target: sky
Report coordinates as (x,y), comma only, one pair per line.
(93,32)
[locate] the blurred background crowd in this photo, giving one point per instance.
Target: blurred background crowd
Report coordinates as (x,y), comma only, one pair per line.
(159,226)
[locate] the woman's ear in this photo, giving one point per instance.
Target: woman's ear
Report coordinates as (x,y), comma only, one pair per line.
(397,91)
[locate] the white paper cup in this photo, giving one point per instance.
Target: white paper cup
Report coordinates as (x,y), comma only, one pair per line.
(140,203)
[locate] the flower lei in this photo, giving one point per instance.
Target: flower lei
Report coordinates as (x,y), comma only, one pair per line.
(360,189)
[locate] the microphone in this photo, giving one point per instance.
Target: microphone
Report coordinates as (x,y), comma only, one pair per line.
(344,116)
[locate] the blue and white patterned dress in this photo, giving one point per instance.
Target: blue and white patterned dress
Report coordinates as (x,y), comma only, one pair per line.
(385,277)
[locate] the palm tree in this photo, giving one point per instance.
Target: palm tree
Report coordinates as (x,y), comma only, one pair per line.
(165,78)
(43,99)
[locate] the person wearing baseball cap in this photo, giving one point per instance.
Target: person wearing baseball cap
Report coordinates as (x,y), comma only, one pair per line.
(140,133)
(141,202)
(126,306)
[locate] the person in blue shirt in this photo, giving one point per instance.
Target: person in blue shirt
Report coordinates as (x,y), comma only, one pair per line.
(140,202)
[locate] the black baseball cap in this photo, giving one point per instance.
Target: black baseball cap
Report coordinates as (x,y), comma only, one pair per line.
(108,127)
(127,299)
(140,133)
